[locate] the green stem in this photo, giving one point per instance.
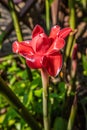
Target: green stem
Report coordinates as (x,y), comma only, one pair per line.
(17,105)
(15,20)
(72,114)
(47,5)
(84,3)
(45,80)
(72,22)
(17,28)
(72,13)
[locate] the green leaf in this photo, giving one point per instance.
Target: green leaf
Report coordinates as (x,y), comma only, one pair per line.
(60,124)
(11,114)
(30,97)
(35,83)
(61,87)
(23,74)
(50,1)
(38,92)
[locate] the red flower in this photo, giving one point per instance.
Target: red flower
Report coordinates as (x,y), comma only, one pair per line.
(43,51)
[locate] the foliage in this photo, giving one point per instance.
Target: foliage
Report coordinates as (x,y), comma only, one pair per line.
(66,90)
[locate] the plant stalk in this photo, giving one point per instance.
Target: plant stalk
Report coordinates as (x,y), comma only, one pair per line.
(72,114)
(47,5)
(72,22)
(54,11)
(15,20)
(45,80)
(17,105)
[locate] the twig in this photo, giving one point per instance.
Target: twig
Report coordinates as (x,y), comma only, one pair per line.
(26,7)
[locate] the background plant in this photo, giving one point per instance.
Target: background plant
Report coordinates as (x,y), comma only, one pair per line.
(65,87)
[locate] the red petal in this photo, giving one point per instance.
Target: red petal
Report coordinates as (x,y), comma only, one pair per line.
(34,61)
(40,43)
(57,45)
(64,32)
(53,64)
(54,32)
(37,30)
(22,48)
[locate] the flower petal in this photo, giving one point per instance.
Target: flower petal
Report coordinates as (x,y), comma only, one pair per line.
(64,32)
(37,30)
(53,63)
(54,32)
(34,61)
(40,43)
(57,45)
(22,48)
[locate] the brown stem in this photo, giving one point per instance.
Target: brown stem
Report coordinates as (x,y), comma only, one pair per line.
(54,11)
